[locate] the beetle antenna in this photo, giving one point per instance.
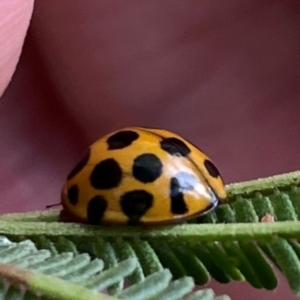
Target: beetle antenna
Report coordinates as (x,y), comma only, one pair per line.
(53,205)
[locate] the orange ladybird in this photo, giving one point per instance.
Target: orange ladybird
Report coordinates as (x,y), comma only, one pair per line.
(141,176)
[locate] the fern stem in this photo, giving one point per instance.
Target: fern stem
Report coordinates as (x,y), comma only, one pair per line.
(48,285)
(203,232)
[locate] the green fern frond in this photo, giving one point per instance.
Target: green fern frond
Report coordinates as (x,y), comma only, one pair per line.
(230,244)
(250,201)
(67,276)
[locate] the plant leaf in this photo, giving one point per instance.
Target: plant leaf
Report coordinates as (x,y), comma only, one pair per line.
(69,276)
(231,243)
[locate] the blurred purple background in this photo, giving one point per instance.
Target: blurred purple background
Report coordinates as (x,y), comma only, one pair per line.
(224,75)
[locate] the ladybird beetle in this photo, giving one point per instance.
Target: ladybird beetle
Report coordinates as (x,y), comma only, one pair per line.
(140,175)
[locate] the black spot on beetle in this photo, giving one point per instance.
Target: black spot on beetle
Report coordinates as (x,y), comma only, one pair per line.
(175,146)
(96,209)
(211,169)
(107,174)
(83,161)
(73,192)
(122,139)
(135,204)
(178,205)
(147,167)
